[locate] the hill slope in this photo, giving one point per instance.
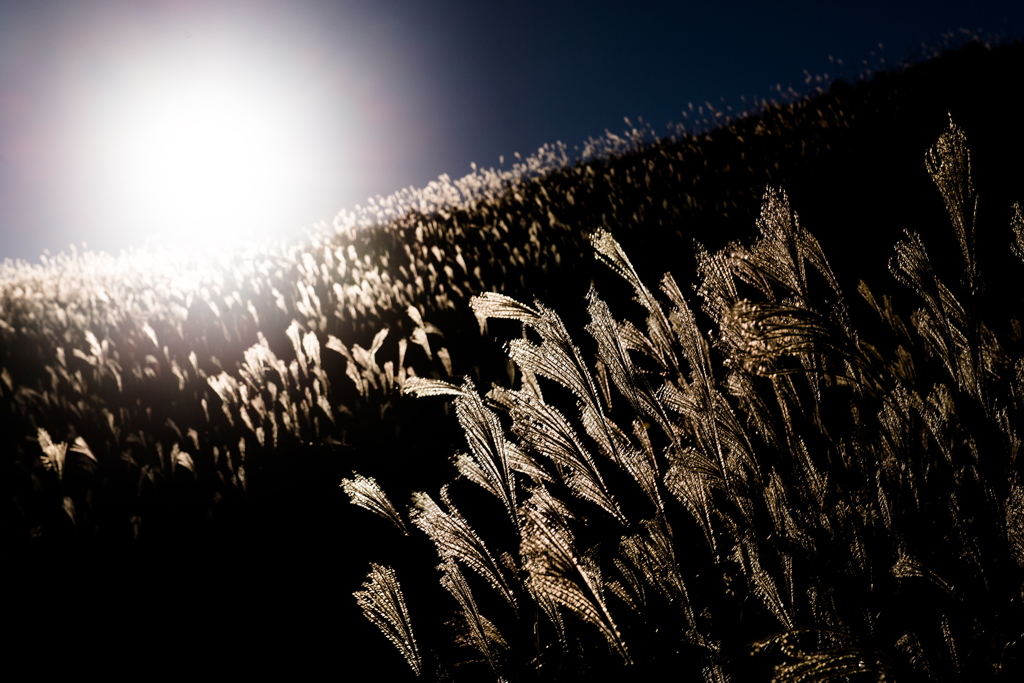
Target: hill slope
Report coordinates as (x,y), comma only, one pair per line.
(179,431)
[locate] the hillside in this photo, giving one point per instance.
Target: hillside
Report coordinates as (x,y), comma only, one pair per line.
(176,431)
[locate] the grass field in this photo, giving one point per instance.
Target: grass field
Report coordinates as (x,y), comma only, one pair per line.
(742,404)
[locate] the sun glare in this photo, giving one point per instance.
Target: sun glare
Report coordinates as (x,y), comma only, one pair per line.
(206,162)
(202,158)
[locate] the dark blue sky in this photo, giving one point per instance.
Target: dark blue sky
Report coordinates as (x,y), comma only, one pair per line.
(374,96)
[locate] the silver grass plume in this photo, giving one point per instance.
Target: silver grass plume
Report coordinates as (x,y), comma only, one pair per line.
(1017,227)
(530,384)
(488,446)
(911,646)
(419,333)
(611,441)
(714,673)
(601,373)
(610,252)
(1014,515)
(519,460)
(556,571)
(950,641)
(907,567)
(759,335)
(383,604)
(483,634)
(612,351)
(691,478)
(556,357)
(633,339)
(948,163)
(630,382)
(455,539)
(943,323)
(642,464)
(761,582)
(544,430)
(494,305)
(546,602)
(54,455)
(717,288)
(712,421)
(361,365)
(632,590)
(781,253)
(367,493)
(779,506)
(294,335)
(886,313)
(420,386)
(754,405)
(81,447)
(351,369)
(714,426)
(653,553)
(691,342)
(836,663)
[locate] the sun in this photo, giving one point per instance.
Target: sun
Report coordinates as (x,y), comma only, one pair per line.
(202,158)
(207,160)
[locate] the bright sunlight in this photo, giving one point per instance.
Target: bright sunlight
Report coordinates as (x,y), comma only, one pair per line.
(202,159)
(205,137)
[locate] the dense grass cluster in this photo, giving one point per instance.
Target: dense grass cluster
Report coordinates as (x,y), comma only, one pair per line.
(830,485)
(783,461)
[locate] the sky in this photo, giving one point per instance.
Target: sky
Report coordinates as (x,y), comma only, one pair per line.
(203,122)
